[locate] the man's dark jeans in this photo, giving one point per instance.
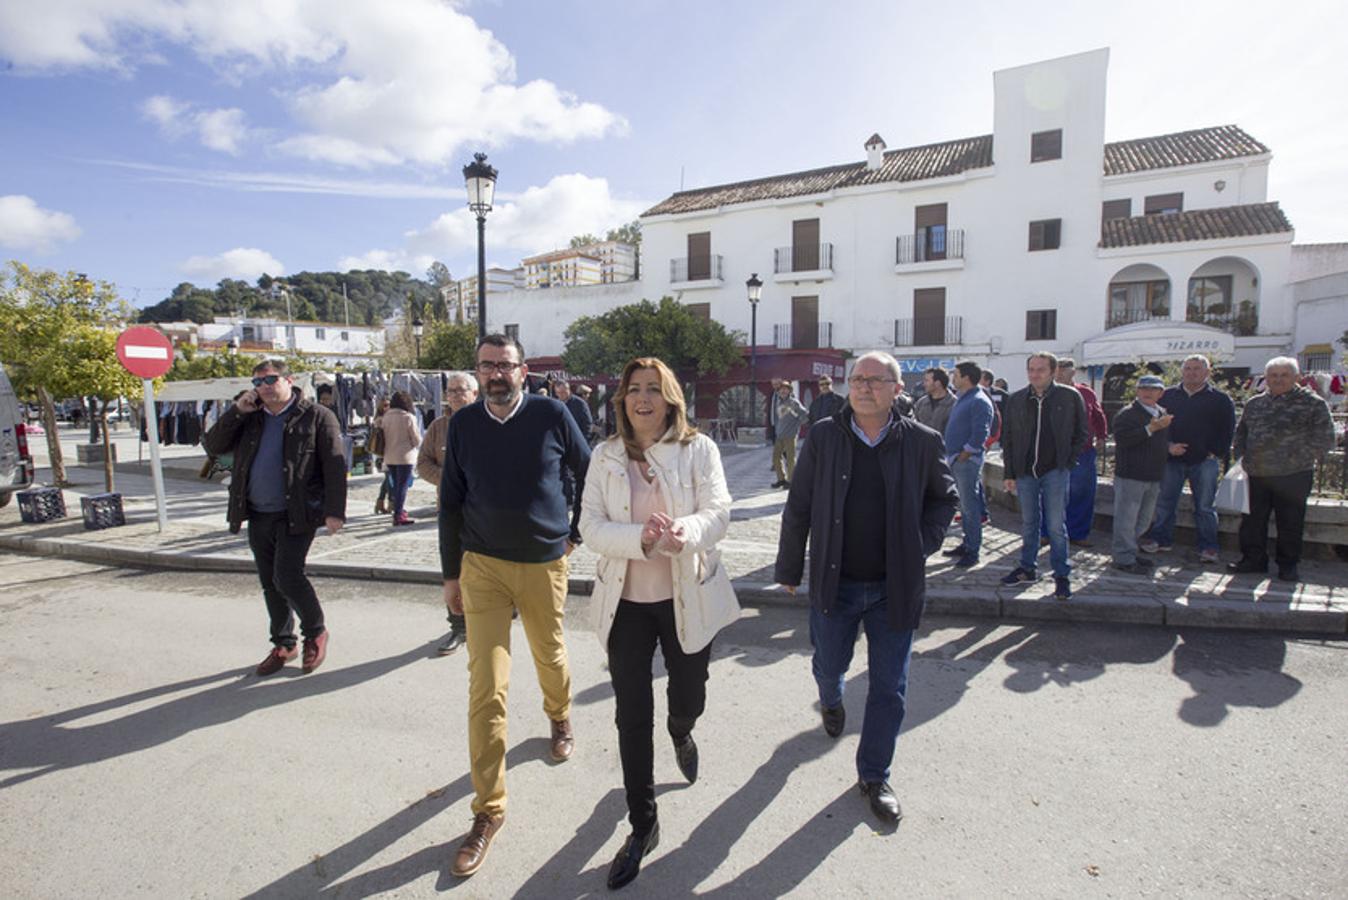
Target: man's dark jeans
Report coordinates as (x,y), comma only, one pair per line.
(1285,497)
(861,604)
(280,558)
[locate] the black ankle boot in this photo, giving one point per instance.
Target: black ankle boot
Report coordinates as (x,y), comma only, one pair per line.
(627,864)
(685,754)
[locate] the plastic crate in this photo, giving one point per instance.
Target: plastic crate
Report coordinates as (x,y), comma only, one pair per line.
(102,511)
(41,504)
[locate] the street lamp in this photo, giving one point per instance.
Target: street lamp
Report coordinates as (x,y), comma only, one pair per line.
(417,326)
(480,181)
(233,351)
(755,288)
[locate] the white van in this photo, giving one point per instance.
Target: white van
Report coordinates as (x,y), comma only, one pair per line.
(16,464)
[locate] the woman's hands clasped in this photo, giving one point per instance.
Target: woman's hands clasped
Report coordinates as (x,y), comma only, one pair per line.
(660,533)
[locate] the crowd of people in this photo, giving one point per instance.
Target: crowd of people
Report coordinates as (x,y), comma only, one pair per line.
(878,480)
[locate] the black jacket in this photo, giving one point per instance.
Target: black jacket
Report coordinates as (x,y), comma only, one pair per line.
(825,405)
(1139,454)
(1067,412)
(919,496)
(315,462)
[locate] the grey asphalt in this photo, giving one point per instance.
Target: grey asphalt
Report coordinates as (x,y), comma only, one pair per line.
(139,757)
(1183,592)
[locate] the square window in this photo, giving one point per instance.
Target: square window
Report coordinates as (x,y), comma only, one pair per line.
(321,334)
(1041,325)
(1046,145)
(1046,234)
(1164,204)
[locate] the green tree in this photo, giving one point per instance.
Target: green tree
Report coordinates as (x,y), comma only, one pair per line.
(687,343)
(446,345)
(39,310)
(584,240)
(628,234)
(92,370)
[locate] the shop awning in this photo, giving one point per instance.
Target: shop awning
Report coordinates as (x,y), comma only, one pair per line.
(1154,341)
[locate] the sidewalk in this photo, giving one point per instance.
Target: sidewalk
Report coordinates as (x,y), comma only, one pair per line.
(1182,593)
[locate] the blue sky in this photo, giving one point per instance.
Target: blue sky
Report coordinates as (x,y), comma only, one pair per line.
(149,142)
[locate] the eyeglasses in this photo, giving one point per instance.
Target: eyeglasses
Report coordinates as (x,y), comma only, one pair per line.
(871,384)
(260,380)
(458,390)
(505,368)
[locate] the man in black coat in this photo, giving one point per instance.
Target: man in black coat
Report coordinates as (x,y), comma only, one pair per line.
(1141,446)
(873,495)
(827,404)
(289,478)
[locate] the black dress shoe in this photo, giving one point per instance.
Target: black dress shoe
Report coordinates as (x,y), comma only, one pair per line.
(1288,573)
(1245,566)
(685,753)
(954,551)
(451,643)
(883,802)
(834,719)
(627,864)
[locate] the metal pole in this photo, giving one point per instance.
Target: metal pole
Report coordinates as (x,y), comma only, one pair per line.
(152,431)
(481,277)
(753,361)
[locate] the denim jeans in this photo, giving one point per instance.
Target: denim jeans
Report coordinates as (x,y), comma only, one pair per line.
(1134,503)
(968,481)
(834,635)
(280,558)
(1202,478)
(400,479)
(1050,489)
(1080,498)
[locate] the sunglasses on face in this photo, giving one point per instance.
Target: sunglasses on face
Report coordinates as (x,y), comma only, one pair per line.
(260,380)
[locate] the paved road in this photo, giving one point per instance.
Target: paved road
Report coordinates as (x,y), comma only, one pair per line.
(138,757)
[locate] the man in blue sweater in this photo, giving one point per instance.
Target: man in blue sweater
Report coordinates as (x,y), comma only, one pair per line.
(505,534)
(966,433)
(1200,439)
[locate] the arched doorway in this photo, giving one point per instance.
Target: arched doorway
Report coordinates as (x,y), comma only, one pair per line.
(1224,293)
(1137,293)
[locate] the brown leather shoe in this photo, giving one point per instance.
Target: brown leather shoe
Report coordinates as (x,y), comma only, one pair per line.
(563,742)
(474,848)
(277,658)
(315,652)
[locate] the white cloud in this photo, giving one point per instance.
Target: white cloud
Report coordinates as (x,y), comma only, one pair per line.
(224,130)
(540,219)
(413,81)
(26,226)
(243,263)
(289,183)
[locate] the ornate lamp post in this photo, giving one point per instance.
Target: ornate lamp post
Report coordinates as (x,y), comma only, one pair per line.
(755,288)
(417,327)
(480,181)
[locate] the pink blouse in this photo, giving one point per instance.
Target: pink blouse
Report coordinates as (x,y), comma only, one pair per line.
(648,580)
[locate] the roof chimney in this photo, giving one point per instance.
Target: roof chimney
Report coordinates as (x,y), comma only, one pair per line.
(875,152)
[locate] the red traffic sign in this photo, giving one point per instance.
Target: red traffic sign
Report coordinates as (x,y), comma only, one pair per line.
(144,352)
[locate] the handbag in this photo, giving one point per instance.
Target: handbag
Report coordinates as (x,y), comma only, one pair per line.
(1233,491)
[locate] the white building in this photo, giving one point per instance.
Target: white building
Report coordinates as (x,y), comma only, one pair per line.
(1320,292)
(1039,235)
(329,341)
(562,268)
(461,296)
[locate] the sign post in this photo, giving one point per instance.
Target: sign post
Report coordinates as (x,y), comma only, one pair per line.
(146,353)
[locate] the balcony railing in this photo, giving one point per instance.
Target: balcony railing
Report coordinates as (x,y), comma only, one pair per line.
(1131,316)
(1241,324)
(802,336)
(928,245)
(929,331)
(802,258)
(695,268)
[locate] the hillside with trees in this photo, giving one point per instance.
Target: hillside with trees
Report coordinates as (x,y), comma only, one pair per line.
(371,297)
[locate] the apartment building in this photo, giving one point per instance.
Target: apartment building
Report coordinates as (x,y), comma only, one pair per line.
(1039,235)
(562,268)
(461,296)
(329,341)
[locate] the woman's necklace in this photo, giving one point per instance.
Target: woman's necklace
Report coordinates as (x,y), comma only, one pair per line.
(645,469)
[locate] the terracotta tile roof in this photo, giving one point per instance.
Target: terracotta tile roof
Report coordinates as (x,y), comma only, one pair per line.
(1195,225)
(907,164)
(954,157)
(1182,148)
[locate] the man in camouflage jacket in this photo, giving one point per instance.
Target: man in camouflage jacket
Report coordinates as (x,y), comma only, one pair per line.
(1281,435)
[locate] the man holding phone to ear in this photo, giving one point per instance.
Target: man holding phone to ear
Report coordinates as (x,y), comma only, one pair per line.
(289,479)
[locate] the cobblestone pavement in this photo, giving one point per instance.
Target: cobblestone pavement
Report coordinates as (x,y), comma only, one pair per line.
(1182,592)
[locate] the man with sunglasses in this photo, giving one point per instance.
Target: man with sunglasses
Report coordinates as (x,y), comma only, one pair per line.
(289,479)
(505,534)
(873,496)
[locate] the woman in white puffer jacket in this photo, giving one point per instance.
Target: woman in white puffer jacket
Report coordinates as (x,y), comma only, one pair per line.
(655,506)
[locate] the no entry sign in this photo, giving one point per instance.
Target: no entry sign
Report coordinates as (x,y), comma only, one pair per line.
(144,352)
